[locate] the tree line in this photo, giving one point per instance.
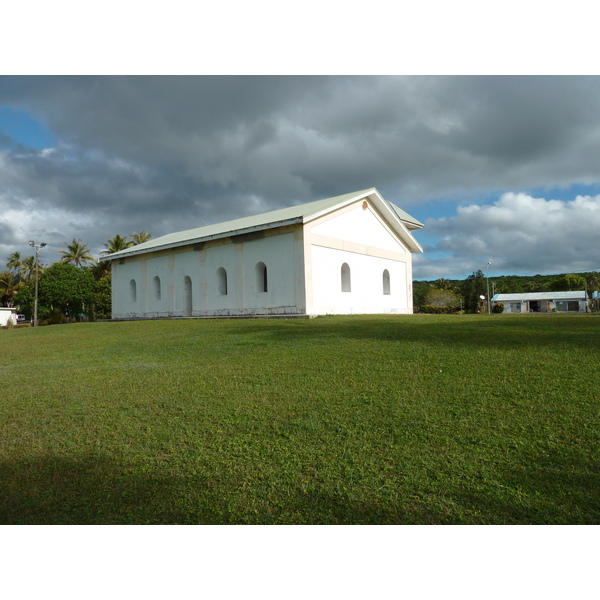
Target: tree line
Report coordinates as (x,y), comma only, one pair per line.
(77,286)
(453,295)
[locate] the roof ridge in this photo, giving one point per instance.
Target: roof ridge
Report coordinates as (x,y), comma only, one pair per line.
(297,213)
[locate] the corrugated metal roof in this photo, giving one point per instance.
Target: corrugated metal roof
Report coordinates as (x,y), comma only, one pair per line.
(540,296)
(410,222)
(301,213)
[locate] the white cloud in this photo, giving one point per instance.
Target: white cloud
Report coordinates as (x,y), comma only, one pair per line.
(518,233)
(42,225)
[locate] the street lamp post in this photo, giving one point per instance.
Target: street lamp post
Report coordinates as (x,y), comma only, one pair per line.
(37,274)
(487,269)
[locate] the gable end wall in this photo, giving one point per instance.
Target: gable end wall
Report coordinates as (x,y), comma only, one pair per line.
(359,237)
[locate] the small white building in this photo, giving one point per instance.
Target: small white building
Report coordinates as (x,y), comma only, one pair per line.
(345,255)
(7,315)
(542,302)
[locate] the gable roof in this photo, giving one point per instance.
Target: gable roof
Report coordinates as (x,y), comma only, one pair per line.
(400,221)
(540,296)
(409,222)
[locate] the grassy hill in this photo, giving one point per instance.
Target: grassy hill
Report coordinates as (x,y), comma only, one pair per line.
(380,419)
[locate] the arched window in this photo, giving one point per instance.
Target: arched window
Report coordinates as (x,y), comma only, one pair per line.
(187,296)
(133,291)
(222,281)
(157,293)
(346,284)
(261,278)
(386,282)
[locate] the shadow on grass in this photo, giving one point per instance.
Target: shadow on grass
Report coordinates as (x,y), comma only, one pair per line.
(99,490)
(550,492)
(479,331)
(90,490)
(102,491)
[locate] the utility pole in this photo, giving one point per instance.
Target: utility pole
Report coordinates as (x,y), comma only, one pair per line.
(488,288)
(37,276)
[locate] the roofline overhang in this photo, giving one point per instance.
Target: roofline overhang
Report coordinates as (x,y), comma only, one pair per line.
(371,193)
(205,238)
(534,296)
(385,207)
(388,211)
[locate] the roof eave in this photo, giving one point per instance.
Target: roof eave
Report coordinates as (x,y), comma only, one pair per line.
(398,224)
(205,238)
(407,236)
(383,205)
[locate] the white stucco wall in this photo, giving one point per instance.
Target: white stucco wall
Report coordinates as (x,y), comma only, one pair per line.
(366,293)
(282,255)
(359,225)
(157,272)
(359,237)
(303,270)
(6,315)
(244,294)
(224,257)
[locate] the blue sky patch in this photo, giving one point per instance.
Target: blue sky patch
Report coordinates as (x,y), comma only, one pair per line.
(23,129)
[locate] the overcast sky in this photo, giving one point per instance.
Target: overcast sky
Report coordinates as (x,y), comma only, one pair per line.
(500,169)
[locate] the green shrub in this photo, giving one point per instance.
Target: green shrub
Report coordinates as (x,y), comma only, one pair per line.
(430,309)
(55,317)
(102,298)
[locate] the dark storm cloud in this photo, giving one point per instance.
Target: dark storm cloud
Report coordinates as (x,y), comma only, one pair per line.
(263,135)
(169,153)
(7,235)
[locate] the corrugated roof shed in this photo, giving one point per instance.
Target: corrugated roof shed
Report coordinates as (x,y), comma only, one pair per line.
(526,296)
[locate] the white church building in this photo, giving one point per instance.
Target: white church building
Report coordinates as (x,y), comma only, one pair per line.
(345,255)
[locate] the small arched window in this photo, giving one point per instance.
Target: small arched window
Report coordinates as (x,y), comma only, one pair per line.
(262,284)
(346,283)
(133,291)
(386,282)
(157,291)
(222,281)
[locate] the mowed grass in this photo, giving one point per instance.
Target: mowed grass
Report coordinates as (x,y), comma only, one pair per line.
(336,420)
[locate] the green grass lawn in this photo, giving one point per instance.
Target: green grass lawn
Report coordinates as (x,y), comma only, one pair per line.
(365,419)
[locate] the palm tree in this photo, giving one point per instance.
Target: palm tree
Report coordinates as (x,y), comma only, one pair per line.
(14,262)
(100,269)
(28,267)
(9,285)
(593,282)
(140,238)
(443,284)
(117,243)
(77,253)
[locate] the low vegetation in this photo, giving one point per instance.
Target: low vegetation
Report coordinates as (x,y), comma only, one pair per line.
(455,295)
(425,419)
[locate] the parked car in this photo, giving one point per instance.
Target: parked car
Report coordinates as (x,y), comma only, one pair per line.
(21,318)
